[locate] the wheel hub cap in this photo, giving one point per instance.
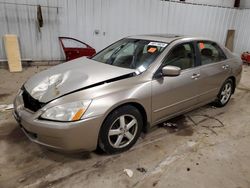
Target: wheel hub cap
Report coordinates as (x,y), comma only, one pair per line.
(226,93)
(123,131)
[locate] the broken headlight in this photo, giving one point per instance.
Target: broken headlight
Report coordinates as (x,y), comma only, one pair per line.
(67,112)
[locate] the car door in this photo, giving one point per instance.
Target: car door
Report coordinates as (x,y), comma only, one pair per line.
(173,95)
(214,69)
(74,48)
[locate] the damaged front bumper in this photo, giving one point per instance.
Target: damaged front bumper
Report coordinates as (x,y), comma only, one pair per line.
(64,136)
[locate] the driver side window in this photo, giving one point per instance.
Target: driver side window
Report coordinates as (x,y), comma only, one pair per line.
(182,56)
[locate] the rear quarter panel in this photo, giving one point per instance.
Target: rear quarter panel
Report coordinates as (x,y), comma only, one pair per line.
(235,63)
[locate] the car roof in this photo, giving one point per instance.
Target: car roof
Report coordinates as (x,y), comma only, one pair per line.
(167,38)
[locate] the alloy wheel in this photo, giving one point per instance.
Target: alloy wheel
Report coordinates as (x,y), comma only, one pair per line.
(122,131)
(226,93)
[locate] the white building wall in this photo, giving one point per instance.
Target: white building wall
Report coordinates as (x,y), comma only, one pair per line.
(224,3)
(242,42)
(114,19)
(245,3)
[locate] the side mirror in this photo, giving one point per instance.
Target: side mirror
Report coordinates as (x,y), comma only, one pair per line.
(171,71)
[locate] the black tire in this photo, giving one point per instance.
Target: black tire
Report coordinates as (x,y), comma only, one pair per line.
(106,141)
(219,102)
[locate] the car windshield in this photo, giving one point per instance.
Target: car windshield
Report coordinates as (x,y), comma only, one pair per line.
(131,53)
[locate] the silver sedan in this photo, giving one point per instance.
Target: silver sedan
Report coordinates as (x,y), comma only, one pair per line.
(138,82)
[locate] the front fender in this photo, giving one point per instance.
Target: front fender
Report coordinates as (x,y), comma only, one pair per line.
(141,94)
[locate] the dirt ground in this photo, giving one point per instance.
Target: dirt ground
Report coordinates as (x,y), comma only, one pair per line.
(207,148)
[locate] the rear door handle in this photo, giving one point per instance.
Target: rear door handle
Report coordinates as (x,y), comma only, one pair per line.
(225,66)
(195,76)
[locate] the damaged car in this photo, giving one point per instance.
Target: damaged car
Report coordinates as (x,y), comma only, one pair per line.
(106,101)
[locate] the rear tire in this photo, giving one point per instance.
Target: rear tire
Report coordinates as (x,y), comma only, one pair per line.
(120,130)
(225,93)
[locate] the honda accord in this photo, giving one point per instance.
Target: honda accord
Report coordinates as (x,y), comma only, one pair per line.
(107,100)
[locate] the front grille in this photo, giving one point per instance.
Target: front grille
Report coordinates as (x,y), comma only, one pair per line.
(31,103)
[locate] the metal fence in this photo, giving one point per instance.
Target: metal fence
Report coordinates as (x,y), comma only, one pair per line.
(100,22)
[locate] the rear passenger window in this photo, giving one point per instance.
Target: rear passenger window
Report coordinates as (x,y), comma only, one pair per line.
(181,56)
(210,53)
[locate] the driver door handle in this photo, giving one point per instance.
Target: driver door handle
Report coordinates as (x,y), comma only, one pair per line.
(195,76)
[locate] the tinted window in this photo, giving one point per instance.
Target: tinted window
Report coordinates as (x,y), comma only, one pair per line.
(181,56)
(210,53)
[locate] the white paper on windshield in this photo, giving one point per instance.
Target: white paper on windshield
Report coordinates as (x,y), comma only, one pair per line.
(160,44)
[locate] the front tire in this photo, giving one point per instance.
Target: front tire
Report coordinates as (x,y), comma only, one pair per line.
(120,130)
(225,93)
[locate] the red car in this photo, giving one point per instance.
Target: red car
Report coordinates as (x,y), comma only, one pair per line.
(74,48)
(246,57)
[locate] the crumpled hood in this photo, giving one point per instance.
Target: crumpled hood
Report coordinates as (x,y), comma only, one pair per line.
(67,77)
